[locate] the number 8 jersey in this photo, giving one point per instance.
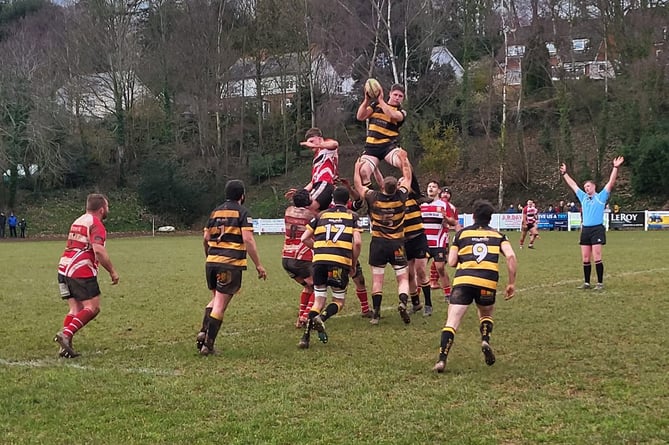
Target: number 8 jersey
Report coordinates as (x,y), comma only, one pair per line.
(333,236)
(478,250)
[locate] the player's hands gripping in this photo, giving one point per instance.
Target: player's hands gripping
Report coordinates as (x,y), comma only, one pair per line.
(262,273)
(289,194)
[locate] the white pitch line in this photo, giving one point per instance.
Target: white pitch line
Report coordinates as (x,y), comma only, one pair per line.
(69,364)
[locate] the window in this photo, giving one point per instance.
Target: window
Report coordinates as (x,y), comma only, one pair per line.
(515,50)
(579,44)
(551,48)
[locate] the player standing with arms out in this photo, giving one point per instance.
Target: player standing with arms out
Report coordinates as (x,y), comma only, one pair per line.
(593,233)
(295,256)
(386,211)
(335,238)
(78,270)
(529,224)
(475,252)
(228,237)
(383,131)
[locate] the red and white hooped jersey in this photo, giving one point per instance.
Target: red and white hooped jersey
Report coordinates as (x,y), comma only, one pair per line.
(530,214)
(78,259)
(433,223)
(296,220)
(325,166)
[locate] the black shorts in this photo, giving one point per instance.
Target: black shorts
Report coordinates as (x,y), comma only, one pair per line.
(438,254)
(223,279)
(593,235)
(322,194)
(81,289)
(297,269)
(330,275)
(416,248)
(379,152)
(530,226)
(466,295)
(384,251)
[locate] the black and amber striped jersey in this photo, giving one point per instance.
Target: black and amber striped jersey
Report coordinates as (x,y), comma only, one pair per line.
(387,213)
(478,250)
(333,236)
(381,130)
(413,220)
(224,231)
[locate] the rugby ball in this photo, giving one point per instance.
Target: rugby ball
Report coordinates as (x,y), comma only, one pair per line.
(372,88)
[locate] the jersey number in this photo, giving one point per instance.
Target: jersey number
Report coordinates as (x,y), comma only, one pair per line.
(480,251)
(334,235)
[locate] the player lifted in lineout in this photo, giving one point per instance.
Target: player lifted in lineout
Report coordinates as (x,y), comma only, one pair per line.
(385,119)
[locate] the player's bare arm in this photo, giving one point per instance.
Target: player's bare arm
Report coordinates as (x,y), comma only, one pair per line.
(365,109)
(357,245)
(102,257)
(617,162)
(252,249)
(357,179)
(406,170)
(308,238)
(511,265)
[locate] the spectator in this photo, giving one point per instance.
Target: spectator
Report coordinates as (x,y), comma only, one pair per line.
(12,225)
(23,225)
(511,209)
(3,223)
(572,207)
(551,209)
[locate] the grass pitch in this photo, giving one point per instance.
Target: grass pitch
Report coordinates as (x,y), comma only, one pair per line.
(573,367)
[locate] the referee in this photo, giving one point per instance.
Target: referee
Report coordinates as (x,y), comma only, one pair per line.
(593,233)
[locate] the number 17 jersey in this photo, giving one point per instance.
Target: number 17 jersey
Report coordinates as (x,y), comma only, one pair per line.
(333,236)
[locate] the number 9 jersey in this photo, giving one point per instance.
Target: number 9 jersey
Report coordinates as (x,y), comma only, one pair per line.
(478,250)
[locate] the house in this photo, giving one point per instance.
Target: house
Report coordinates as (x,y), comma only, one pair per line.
(441,56)
(574,51)
(92,96)
(280,76)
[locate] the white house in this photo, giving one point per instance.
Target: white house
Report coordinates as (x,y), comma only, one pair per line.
(93,95)
(441,56)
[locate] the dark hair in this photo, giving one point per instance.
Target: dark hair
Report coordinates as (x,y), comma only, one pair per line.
(397,86)
(389,185)
(301,198)
(434,181)
(340,195)
(234,190)
(95,201)
(483,211)
(313,132)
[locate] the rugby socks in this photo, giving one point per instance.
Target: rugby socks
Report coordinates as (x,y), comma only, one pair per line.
(427,293)
(447,338)
(485,326)
(213,326)
(599,268)
(79,320)
(304,303)
(330,310)
(67,320)
(207,312)
(415,299)
(376,302)
(362,296)
(404,298)
(587,270)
